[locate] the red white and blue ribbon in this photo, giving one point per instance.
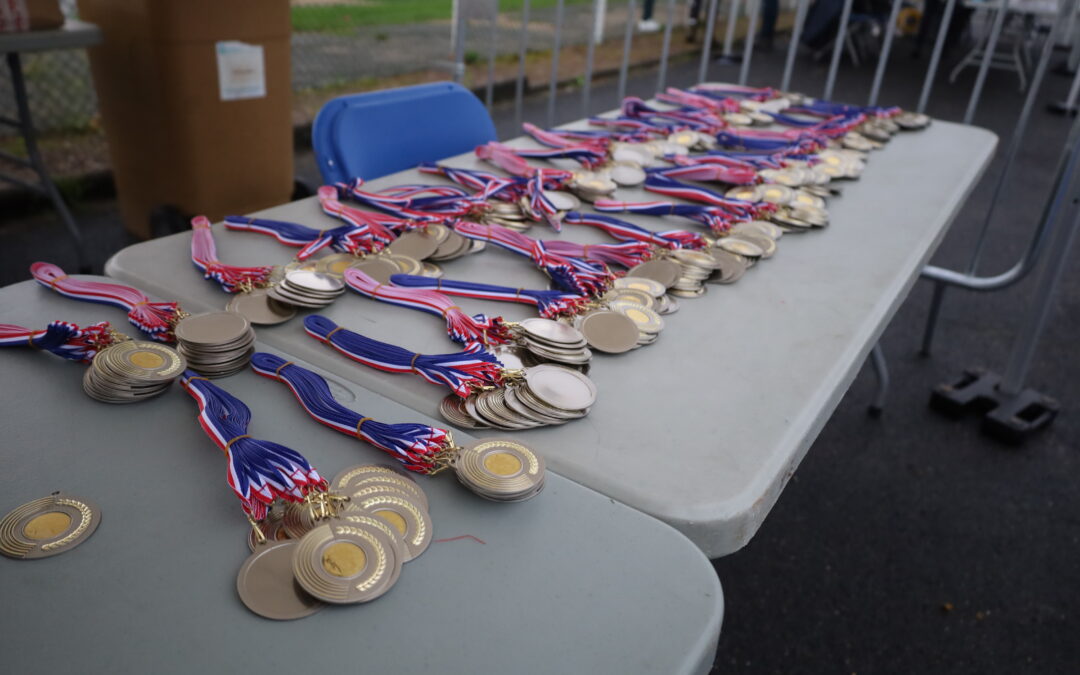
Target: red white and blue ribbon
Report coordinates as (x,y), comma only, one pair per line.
(549,303)
(729,90)
(559,138)
(411,205)
(259,471)
(738,209)
(231,278)
(572,275)
(486,184)
(155,319)
(713,172)
(682,97)
(712,217)
(66,340)
(461,327)
(345,238)
(376,225)
(626,231)
(462,372)
(416,446)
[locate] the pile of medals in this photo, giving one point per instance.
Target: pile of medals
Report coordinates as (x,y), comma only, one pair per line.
(552,341)
(260,308)
(307,288)
(508,214)
(216,344)
(500,470)
(48,526)
(132,371)
(542,395)
(345,546)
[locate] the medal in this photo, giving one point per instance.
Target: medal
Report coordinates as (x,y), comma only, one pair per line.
(48,526)
(216,344)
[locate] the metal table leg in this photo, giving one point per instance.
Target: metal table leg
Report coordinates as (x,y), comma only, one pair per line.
(24,123)
(881,368)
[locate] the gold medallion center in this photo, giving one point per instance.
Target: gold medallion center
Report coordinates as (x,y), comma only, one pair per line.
(146,359)
(344,559)
(395,519)
(502,463)
(47,525)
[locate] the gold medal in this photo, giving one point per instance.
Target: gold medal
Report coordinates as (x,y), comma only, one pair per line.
(342,563)
(47,527)
(267,586)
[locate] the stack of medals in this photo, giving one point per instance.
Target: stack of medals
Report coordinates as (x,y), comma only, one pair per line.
(593,185)
(132,371)
(541,395)
(508,214)
(307,288)
(260,308)
(216,344)
(796,210)
(48,526)
(641,291)
(500,470)
(452,245)
(554,341)
(641,306)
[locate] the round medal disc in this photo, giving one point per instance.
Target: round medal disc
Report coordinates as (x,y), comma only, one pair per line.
(563,201)
(415,244)
(146,361)
(739,247)
(48,526)
(411,521)
(212,328)
(650,286)
(662,271)
(266,584)
(346,478)
(627,175)
(314,281)
(345,563)
(562,388)
(261,309)
(500,468)
(552,331)
(379,270)
(609,332)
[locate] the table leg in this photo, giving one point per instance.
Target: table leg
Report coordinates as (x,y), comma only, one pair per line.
(881,368)
(25,125)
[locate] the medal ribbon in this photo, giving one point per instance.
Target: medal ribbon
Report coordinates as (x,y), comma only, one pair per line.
(736,208)
(686,98)
(461,327)
(701,119)
(371,224)
(712,217)
(624,231)
(718,172)
(62,338)
(562,139)
(572,275)
(259,471)
(627,254)
(548,303)
(411,206)
(463,372)
(156,319)
(760,94)
(414,445)
(232,279)
(487,185)
(344,238)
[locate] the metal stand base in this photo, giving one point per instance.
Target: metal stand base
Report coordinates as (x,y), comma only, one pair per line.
(1011,418)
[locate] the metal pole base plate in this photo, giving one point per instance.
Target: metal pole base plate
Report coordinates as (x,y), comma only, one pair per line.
(1062,108)
(1011,418)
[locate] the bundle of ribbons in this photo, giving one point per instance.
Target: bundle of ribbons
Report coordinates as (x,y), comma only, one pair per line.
(258,471)
(232,279)
(155,319)
(416,446)
(549,303)
(66,340)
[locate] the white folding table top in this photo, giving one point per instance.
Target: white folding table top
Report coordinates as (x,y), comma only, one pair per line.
(570,581)
(703,428)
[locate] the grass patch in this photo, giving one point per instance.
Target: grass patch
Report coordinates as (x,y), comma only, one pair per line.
(344,17)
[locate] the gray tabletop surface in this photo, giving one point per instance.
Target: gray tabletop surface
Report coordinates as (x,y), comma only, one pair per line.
(72,35)
(570,581)
(703,428)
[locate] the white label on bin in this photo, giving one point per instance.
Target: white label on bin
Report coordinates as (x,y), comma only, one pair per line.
(241,71)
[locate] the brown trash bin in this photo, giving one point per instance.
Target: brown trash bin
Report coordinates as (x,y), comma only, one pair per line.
(161,75)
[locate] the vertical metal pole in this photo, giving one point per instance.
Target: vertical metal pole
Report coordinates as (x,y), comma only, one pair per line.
(1012,381)
(553,86)
(838,50)
(881,368)
(935,56)
(1017,138)
(932,315)
(662,79)
(706,41)
(984,67)
(29,136)
(628,38)
(598,27)
(590,52)
(886,48)
(519,84)
(459,47)
(748,42)
(729,29)
(489,92)
(1074,90)
(793,46)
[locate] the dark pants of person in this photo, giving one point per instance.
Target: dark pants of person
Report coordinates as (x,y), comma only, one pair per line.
(646,9)
(769,11)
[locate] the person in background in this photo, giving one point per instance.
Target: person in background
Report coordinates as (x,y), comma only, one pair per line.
(647,24)
(770,9)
